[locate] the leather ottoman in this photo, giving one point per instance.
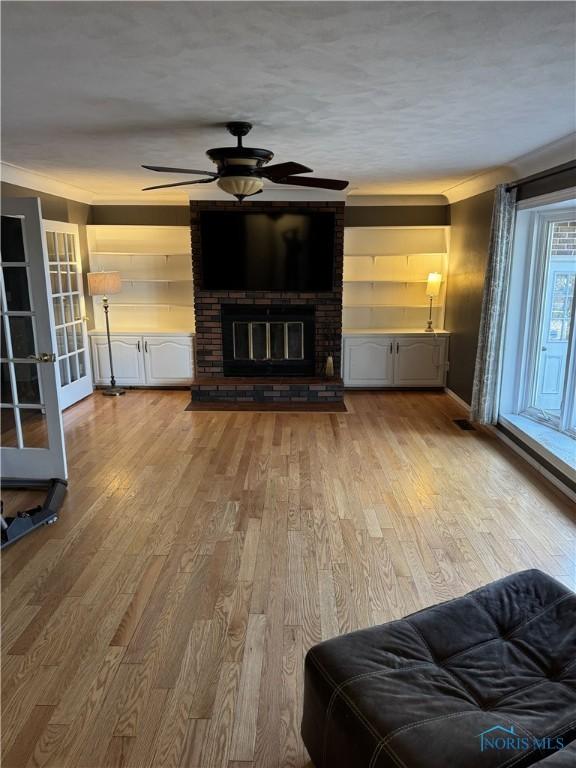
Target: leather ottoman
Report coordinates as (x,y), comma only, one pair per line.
(487,680)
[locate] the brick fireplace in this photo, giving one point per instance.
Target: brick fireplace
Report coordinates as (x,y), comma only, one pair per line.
(234,327)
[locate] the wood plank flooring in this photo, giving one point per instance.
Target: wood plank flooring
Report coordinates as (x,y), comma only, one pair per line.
(164,619)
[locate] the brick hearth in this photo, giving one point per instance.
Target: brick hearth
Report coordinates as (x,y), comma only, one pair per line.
(271,389)
(210,385)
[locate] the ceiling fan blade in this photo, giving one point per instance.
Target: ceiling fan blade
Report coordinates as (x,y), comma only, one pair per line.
(178,184)
(164,169)
(312,181)
(281,170)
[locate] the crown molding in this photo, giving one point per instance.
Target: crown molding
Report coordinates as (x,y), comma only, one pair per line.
(481,182)
(14,174)
(556,153)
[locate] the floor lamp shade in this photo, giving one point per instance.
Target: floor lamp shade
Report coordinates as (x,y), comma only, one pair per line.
(104,283)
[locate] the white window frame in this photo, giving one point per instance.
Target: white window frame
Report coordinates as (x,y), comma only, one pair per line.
(534,305)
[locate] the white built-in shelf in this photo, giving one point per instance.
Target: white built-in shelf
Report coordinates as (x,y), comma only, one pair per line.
(393,331)
(385,274)
(392,255)
(155,268)
(155,280)
(387,282)
(130,331)
(393,306)
(139,305)
(162,254)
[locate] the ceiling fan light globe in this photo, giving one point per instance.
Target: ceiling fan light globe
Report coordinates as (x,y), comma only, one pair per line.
(250,162)
(243,186)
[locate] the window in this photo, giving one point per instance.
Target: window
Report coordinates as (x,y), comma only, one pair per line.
(539,362)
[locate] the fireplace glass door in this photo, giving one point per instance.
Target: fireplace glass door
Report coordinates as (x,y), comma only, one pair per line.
(261,341)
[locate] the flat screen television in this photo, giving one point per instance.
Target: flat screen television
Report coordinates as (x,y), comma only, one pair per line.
(281,251)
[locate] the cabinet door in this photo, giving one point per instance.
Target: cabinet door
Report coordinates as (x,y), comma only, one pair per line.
(126,358)
(368,362)
(420,362)
(168,359)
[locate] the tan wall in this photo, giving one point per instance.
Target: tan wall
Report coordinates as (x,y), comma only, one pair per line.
(471,221)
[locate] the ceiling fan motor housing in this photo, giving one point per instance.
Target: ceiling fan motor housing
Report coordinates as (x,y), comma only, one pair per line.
(239,161)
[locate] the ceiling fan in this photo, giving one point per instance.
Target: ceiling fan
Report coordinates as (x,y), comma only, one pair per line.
(241,170)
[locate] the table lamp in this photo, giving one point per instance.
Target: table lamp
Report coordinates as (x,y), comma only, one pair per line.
(105,284)
(432,291)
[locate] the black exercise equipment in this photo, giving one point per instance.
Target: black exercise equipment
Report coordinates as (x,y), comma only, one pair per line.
(13,528)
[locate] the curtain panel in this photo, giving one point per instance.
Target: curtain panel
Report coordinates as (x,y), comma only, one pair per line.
(486,387)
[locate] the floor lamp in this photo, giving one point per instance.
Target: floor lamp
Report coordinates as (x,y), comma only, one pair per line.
(432,291)
(105,284)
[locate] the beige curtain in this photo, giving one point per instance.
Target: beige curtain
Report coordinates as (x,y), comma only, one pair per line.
(486,388)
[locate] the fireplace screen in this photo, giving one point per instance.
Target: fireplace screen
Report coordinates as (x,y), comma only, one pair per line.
(268,340)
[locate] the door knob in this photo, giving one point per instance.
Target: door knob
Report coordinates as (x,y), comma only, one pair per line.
(544,349)
(43,357)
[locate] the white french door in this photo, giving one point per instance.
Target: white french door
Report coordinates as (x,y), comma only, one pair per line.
(31,425)
(554,336)
(67,290)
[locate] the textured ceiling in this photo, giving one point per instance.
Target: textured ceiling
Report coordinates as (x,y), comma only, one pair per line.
(402,97)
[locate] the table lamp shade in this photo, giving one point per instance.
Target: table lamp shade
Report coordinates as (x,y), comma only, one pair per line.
(104,283)
(433,285)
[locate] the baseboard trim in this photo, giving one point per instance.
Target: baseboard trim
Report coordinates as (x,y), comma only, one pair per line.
(458,399)
(556,482)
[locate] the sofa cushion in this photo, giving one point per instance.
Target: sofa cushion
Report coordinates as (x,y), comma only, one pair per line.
(419,692)
(564,758)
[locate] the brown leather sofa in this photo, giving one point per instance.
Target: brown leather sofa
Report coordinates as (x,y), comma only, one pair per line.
(484,681)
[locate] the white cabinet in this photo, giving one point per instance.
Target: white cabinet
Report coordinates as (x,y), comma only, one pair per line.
(395,360)
(167,359)
(420,362)
(126,358)
(143,360)
(368,362)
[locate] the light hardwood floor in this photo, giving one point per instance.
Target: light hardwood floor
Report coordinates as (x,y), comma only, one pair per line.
(164,619)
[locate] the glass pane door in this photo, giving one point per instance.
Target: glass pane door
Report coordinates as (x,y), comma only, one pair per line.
(68,304)
(559,270)
(31,426)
